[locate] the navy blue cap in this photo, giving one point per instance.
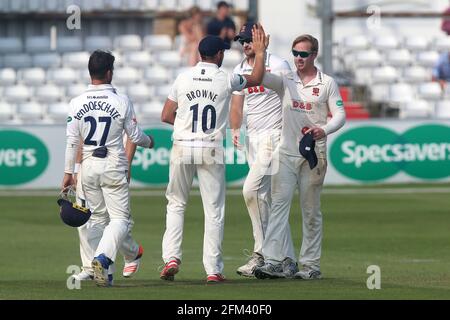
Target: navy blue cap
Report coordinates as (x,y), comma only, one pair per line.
(210,45)
(245,32)
(306,148)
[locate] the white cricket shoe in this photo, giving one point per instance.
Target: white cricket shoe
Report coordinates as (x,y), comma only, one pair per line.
(290,268)
(132,267)
(248,270)
(309,273)
(83,276)
(269,271)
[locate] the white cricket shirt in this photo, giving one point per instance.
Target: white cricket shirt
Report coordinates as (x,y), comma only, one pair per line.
(263,104)
(99,116)
(309,106)
(203,96)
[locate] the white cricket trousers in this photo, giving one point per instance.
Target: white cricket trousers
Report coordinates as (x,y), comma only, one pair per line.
(263,163)
(105,186)
(91,233)
(295,171)
(208,163)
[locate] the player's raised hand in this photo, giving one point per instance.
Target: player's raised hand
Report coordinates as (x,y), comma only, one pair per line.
(259,39)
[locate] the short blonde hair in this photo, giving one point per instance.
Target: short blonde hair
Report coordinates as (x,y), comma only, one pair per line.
(309,38)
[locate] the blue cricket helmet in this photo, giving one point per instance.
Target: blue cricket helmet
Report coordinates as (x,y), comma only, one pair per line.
(71,213)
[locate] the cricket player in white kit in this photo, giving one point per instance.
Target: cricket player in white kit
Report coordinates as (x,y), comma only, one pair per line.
(263,126)
(313,95)
(99,116)
(198,107)
(91,232)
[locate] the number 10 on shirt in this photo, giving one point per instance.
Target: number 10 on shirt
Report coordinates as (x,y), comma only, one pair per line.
(208,112)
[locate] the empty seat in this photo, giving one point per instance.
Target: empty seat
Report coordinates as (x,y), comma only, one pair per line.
(416,74)
(231,58)
(427,58)
(416,43)
(430,91)
(78,60)
(156,75)
(69,44)
(48,93)
(130,42)
(355,42)
(157,42)
(93,43)
(363,76)
(386,42)
(399,58)
(91,5)
(32,76)
(139,59)
(162,92)
(442,109)
(379,92)
(401,92)
(178,71)
(368,58)
(184,5)
(206,5)
(416,109)
(7,77)
(118,59)
(7,111)
(241,5)
(169,59)
(385,74)
(47,60)
(140,93)
(134,5)
(10,45)
(84,76)
(30,111)
(37,44)
(16,94)
(151,110)
(64,76)
(442,44)
(57,112)
(75,90)
(167,5)
(126,76)
(20,60)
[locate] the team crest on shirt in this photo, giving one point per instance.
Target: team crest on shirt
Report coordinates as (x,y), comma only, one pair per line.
(315,92)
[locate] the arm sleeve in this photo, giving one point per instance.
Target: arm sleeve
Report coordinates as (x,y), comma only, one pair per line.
(336,106)
(282,68)
(132,129)
(73,141)
(237,82)
(236,92)
(274,82)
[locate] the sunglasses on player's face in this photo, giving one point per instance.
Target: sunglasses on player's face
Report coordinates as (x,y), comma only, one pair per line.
(301,54)
(242,41)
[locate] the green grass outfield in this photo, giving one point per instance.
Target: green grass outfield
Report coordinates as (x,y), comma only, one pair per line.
(407,234)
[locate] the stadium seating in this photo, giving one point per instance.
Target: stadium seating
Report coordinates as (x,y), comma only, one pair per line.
(140,93)
(64,76)
(92,43)
(156,75)
(7,111)
(157,42)
(57,113)
(10,45)
(37,44)
(76,59)
(32,76)
(29,112)
(16,94)
(69,44)
(46,60)
(7,77)
(418,109)
(442,109)
(48,93)
(130,42)
(138,59)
